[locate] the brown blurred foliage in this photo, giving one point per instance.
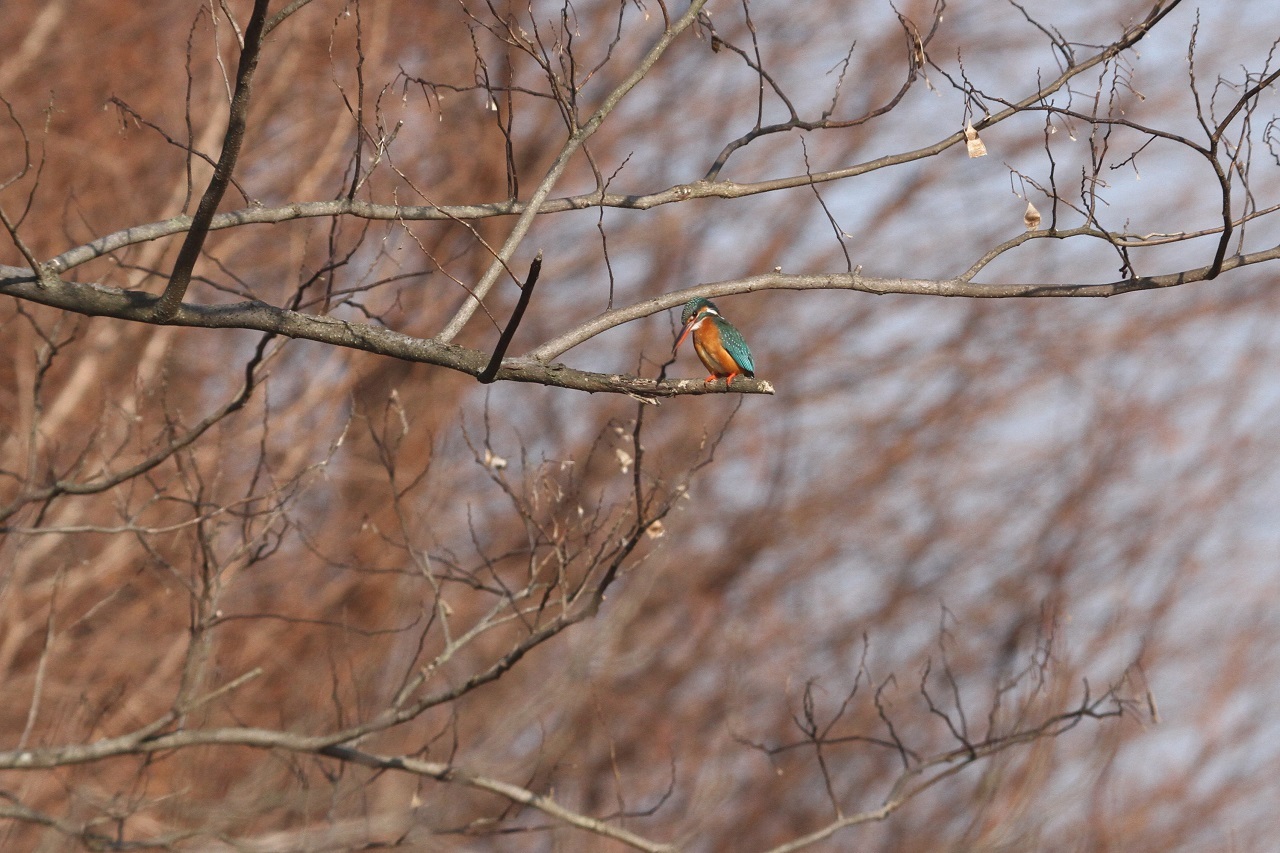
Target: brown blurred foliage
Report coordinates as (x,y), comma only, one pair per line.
(981,574)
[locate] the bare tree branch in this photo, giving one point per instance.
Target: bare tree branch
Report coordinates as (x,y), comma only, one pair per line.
(237,122)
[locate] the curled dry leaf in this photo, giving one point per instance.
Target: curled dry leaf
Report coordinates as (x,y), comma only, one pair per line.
(975,146)
(1031,218)
(493,461)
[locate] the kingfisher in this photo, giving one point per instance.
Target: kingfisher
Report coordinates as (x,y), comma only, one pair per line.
(717,342)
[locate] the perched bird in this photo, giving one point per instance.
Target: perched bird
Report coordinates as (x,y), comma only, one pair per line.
(717,342)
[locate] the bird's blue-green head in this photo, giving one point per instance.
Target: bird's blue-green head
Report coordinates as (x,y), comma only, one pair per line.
(693,308)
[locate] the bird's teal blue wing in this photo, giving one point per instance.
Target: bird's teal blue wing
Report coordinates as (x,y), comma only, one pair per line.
(733,343)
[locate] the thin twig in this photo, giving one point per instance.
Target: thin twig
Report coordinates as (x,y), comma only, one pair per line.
(571,146)
(490,373)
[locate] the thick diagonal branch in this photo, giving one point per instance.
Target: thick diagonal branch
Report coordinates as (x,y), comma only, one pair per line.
(237,121)
(545,186)
(490,373)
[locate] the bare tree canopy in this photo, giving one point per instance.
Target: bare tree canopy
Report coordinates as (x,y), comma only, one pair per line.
(991,572)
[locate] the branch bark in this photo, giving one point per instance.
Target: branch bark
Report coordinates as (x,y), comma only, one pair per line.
(514,793)
(237,122)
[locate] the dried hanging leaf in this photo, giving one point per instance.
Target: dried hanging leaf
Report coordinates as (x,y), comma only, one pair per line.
(624,459)
(1031,218)
(973,143)
(655,530)
(493,461)
(917,47)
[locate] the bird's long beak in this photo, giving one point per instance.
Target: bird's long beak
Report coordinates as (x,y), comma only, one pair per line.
(688,327)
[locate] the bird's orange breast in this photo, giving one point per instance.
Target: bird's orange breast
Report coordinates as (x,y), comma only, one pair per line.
(706,342)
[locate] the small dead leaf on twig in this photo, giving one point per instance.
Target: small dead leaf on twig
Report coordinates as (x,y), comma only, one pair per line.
(624,459)
(493,461)
(1031,218)
(655,530)
(975,145)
